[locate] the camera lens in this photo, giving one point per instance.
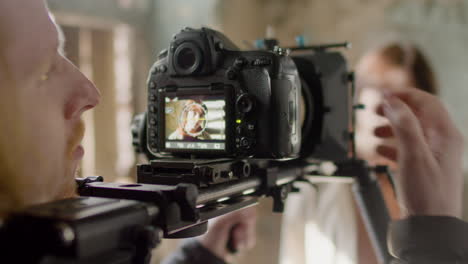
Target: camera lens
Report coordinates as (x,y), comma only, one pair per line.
(187,58)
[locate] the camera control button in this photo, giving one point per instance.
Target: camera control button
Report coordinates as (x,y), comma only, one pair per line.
(240,62)
(244,103)
(219,46)
(231,74)
(152,121)
(245,143)
(152,97)
(162,68)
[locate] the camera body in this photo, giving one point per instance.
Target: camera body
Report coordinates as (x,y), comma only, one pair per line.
(208,99)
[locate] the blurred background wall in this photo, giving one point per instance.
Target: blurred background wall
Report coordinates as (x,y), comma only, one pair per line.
(115,41)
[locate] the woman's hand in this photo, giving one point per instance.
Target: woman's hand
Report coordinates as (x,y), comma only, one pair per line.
(429,153)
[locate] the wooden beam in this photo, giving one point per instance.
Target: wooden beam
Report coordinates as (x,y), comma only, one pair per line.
(103,12)
(105,113)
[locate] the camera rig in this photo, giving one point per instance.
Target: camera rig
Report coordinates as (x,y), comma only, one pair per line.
(121,223)
(175,195)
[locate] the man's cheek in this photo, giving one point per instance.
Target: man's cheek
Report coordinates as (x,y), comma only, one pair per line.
(67,182)
(51,148)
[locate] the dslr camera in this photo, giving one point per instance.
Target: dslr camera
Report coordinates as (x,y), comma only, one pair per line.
(207,99)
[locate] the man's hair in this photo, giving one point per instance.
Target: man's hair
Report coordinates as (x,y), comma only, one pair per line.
(410,57)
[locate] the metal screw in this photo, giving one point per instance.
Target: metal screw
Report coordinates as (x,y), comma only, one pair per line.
(152,211)
(66,233)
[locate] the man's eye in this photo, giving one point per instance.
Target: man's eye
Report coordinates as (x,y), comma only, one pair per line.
(46,75)
(52,69)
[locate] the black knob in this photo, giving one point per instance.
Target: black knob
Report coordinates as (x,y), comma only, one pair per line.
(231,74)
(245,143)
(244,103)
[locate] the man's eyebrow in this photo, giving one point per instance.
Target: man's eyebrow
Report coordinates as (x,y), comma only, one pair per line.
(60,35)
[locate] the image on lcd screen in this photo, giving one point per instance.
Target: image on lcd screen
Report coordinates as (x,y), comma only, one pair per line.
(195,122)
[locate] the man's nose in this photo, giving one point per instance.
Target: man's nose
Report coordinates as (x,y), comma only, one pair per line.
(84,97)
(93,95)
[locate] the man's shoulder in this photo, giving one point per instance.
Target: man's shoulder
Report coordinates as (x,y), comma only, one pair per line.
(435,238)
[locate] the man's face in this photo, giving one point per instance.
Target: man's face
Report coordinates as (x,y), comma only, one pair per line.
(42,98)
(194,119)
(193,122)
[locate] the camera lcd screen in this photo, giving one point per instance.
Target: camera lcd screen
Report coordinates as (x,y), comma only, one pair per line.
(195,122)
